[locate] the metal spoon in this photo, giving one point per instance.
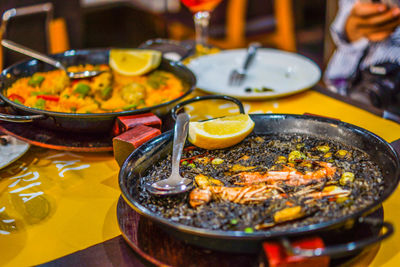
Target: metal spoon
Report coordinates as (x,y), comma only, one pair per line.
(175,183)
(39,56)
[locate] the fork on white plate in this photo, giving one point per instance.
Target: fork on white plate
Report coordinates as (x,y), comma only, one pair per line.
(237,76)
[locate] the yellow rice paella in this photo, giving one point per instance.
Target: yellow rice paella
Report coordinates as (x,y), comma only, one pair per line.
(107,92)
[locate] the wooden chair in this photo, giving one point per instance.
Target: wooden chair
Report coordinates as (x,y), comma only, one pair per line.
(55,37)
(278,29)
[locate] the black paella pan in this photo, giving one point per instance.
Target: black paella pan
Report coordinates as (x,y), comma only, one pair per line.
(379,150)
(79,122)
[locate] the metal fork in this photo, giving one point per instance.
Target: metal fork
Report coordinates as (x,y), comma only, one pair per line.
(237,76)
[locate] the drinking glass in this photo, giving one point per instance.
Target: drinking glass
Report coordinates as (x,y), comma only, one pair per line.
(201,10)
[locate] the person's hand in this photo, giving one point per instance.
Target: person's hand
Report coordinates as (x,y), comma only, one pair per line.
(374,21)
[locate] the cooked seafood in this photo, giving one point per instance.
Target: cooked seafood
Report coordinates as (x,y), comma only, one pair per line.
(268,182)
(289,175)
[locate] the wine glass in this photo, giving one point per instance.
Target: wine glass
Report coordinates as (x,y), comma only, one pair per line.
(201,10)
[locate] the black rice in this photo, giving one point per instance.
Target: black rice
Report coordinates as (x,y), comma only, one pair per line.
(263,152)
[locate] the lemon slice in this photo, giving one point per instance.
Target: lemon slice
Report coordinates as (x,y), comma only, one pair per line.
(220,133)
(132,62)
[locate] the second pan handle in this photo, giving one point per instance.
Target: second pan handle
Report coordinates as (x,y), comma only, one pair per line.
(179,106)
(343,248)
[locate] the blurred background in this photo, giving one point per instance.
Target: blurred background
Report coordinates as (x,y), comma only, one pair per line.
(57,25)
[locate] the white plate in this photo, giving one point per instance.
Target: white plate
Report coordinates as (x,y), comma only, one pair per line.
(286,73)
(12,151)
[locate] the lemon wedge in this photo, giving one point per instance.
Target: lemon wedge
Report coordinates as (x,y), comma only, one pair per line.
(132,62)
(220,133)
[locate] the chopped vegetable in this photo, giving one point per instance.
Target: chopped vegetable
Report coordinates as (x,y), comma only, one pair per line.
(184,163)
(49,97)
(323,149)
(157,79)
(15,98)
(248,230)
(82,89)
(241,168)
(217,161)
(40,103)
(281,160)
(202,160)
(300,146)
(233,221)
(35,93)
(36,80)
(347,177)
(133,93)
(106,92)
(341,153)
(129,107)
(288,214)
(306,164)
(191,165)
(341,200)
(296,155)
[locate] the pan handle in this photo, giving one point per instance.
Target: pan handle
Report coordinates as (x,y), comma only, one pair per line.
(21,119)
(18,118)
(342,248)
(2,102)
(179,106)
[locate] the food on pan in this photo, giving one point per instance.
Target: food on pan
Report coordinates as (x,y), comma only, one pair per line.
(108,92)
(267,183)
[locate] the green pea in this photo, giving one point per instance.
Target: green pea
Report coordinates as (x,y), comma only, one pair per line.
(82,89)
(36,80)
(191,165)
(40,103)
(248,230)
(184,163)
(233,221)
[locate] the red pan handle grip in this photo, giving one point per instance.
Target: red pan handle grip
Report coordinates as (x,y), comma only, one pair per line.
(344,248)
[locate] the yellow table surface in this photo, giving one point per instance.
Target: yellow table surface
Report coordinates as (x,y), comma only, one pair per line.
(54,203)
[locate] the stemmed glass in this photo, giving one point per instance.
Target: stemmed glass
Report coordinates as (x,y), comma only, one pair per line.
(201,10)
